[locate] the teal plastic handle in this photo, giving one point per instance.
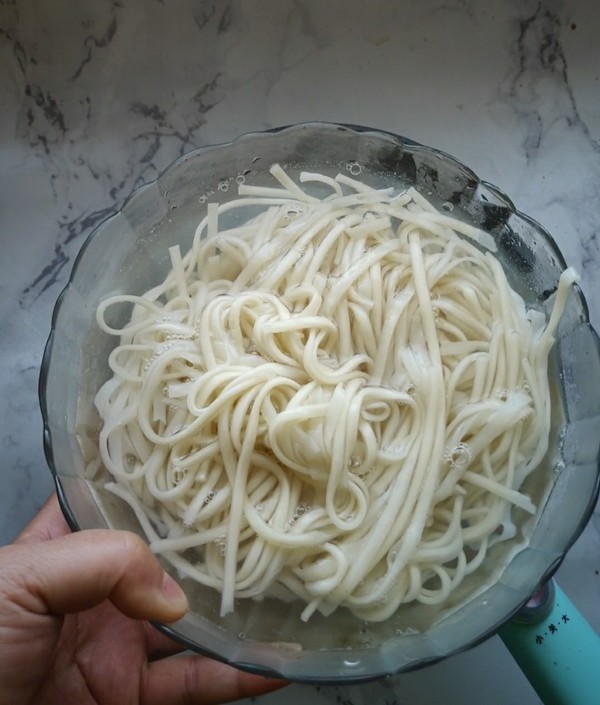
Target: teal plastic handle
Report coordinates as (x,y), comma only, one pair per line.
(559,654)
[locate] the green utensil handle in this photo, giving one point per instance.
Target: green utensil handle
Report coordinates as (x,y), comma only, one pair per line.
(559,653)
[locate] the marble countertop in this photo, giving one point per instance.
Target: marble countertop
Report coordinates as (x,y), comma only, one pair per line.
(98,97)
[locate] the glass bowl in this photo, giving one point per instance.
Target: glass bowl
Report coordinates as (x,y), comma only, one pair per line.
(128,253)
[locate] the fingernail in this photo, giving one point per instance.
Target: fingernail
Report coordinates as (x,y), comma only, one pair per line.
(174,594)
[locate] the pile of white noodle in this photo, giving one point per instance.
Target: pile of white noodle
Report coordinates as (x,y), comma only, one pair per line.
(337,400)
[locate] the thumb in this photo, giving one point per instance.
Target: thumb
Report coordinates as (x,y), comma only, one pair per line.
(81,570)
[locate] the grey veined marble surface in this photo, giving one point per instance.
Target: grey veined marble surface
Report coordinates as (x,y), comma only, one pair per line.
(97,97)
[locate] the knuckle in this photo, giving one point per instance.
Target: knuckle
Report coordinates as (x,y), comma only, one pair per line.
(134,548)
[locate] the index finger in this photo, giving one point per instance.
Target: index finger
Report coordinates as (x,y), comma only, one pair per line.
(181,680)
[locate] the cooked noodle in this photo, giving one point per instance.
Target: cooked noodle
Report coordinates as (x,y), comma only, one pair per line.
(337,400)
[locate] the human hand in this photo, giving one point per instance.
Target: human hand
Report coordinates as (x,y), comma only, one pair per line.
(71,625)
